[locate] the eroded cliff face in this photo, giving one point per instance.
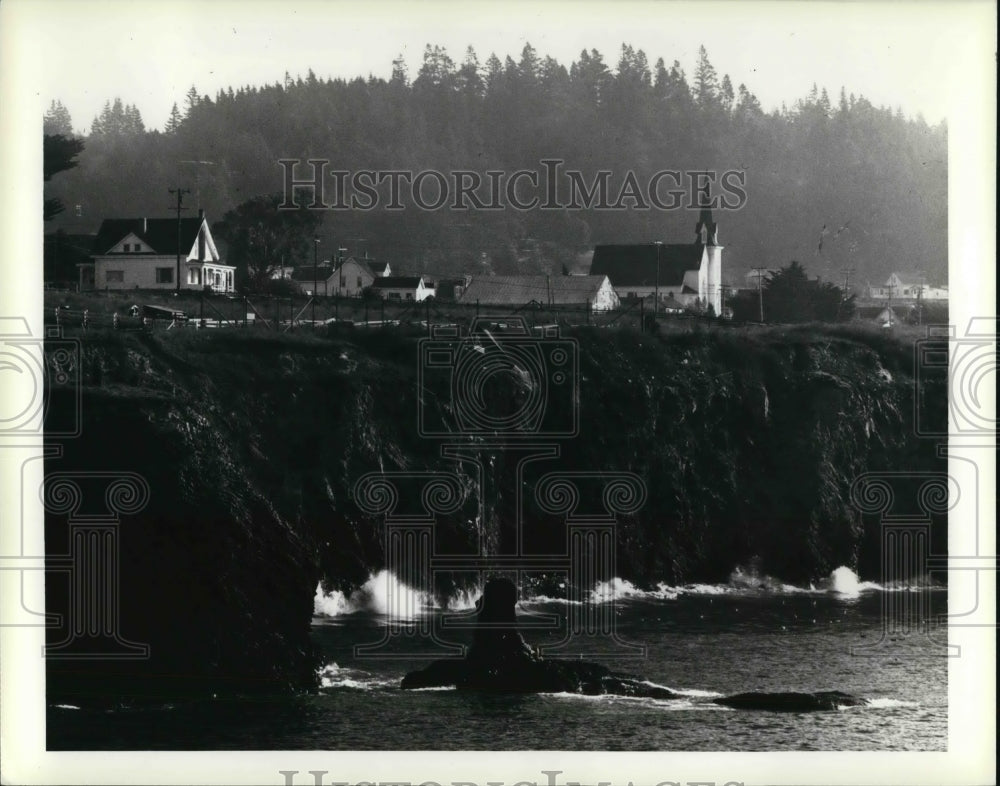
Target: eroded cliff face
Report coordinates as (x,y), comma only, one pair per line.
(252,445)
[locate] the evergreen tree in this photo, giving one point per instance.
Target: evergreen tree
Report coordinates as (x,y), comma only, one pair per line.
(174,121)
(400,76)
(58,154)
(726,91)
(57,120)
(706,82)
(468,78)
(191,100)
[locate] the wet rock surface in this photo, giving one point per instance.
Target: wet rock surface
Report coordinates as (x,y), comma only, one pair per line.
(500,660)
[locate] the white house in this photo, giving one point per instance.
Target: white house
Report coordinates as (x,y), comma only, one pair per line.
(594,292)
(348,279)
(688,273)
(902,286)
(401,288)
(141,253)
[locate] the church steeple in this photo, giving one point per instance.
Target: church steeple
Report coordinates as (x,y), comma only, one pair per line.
(706,230)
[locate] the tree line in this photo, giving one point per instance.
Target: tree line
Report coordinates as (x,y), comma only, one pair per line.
(821,161)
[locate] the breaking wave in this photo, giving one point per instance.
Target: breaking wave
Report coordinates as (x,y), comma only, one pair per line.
(384,594)
(332,676)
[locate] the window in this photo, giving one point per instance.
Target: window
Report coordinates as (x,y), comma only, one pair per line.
(361,284)
(164,275)
(218,278)
(114,276)
(394,296)
(409,296)
(343,281)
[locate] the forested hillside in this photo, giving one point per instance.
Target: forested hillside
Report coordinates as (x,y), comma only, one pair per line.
(868,182)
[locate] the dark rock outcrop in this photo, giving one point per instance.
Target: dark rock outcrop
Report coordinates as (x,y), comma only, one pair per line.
(791,701)
(501,660)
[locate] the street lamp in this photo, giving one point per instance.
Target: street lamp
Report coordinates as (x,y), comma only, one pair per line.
(656,302)
(315,276)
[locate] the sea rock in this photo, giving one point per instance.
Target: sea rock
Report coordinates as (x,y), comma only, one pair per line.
(791,701)
(501,660)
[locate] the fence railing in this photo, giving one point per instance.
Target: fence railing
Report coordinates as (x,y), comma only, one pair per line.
(288,314)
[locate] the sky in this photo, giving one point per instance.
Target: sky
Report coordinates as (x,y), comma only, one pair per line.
(150,53)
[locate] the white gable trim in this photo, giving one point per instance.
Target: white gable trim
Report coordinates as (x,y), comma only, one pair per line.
(131,240)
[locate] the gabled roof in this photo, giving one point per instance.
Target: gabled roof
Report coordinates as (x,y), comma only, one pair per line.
(636,265)
(306,273)
(364,264)
(396,282)
(518,290)
(160,234)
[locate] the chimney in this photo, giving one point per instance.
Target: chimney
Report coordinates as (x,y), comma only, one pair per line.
(201,235)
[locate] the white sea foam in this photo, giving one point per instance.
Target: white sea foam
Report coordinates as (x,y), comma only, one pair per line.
(334,676)
(844,581)
(885,703)
(383,594)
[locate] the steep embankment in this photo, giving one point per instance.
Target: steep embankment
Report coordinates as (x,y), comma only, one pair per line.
(251,444)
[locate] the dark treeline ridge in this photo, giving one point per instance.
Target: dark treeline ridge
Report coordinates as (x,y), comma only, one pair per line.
(824,164)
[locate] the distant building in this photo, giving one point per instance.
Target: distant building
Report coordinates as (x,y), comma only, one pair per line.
(689,273)
(884,316)
(903,286)
(593,291)
(349,279)
(401,288)
(451,289)
(141,253)
(379,269)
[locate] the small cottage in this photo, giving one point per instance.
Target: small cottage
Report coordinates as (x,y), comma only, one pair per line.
(403,288)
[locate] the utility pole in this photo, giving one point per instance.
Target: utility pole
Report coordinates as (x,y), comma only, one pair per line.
(315,277)
(760,289)
(180,195)
(847,283)
(656,298)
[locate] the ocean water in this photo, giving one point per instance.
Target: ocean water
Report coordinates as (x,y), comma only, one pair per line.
(701,640)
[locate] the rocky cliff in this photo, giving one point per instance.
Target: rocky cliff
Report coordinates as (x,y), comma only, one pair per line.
(251,444)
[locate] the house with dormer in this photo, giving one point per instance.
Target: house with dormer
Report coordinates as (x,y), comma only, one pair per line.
(904,286)
(156,253)
(689,274)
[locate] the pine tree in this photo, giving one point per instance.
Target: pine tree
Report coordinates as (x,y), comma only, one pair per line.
(400,76)
(494,73)
(706,82)
(57,120)
(469,80)
(727,96)
(191,99)
(174,121)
